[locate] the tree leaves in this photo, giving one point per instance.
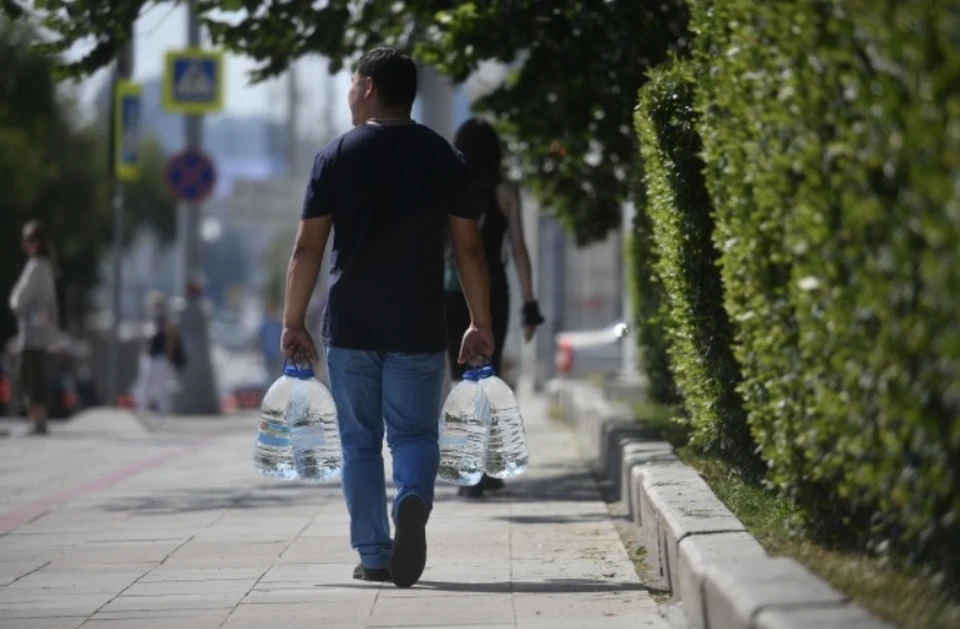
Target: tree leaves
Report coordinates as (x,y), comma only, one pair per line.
(567,117)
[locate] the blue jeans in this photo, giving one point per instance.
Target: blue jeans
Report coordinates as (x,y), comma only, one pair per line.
(403,391)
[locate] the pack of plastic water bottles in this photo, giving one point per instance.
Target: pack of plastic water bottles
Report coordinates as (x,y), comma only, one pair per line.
(481,430)
(298,436)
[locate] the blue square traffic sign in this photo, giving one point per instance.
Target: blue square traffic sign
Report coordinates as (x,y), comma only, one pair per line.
(127,131)
(193,82)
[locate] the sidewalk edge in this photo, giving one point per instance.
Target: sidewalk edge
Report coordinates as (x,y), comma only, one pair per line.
(696,547)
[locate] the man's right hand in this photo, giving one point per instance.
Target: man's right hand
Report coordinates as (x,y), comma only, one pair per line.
(477,341)
(296,343)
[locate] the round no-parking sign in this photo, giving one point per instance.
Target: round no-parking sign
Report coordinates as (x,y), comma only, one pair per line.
(190,176)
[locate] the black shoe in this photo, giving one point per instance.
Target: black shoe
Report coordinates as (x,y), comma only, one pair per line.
(37,431)
(410,544)
(362,573)
(474,491)
(489,483)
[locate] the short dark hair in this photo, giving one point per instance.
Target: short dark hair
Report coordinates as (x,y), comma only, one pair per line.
(393,72)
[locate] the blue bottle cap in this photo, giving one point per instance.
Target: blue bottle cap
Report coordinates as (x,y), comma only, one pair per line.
(478,373)
(302,371)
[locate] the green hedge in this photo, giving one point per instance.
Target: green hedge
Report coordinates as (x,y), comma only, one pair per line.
(831,135)
(646,296)
(681,214)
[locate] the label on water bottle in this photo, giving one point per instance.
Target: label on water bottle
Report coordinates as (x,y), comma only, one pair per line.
(308,438)
(447,440)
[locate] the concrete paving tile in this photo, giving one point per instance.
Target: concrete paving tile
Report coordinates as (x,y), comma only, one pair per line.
(120,552)
(319,550)
(167,619)
(467,572)
(411,612)
(200,549)
(76,582)
(234,587)
(237,559)
(11,571)
(193,622)
(60,622)
(165,573)
(60,605)
(553,622)
(347,593)
(180,601)
(309,573)
(464,626)
(253,531)
(582,569)
(329,615)
(146,535)
(195,520)
(427,590)
(465,554)
(583,605)
(66,565)
(43,599)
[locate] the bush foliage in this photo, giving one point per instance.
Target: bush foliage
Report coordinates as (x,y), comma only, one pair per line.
(831,138)
(698,330)
(647,295)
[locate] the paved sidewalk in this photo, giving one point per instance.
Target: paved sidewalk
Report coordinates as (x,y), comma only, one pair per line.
(106,525)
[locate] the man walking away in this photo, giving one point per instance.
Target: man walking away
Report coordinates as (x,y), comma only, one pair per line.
(389,187)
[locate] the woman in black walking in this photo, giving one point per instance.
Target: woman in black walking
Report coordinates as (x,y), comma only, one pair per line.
(501,222)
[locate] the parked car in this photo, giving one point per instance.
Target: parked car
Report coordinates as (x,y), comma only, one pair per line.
(584,353)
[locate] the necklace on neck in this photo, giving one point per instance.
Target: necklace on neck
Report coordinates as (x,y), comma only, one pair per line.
(383,122)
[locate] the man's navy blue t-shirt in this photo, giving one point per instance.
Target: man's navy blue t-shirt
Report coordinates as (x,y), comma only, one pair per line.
(390,190)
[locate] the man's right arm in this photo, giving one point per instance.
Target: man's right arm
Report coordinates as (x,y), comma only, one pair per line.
(316,223)
(472,268)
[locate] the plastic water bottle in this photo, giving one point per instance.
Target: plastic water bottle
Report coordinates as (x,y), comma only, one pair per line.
(464,430)
(273,449)
(298,438)
(507,453)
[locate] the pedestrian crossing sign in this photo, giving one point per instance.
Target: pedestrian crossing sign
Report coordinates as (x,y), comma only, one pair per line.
(193,82)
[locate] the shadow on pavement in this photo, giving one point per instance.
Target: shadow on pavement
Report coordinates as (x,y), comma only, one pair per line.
(555,519)
(576,486)
(547,586)
(197,500)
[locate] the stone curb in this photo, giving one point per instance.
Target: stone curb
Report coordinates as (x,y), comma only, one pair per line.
(696,547)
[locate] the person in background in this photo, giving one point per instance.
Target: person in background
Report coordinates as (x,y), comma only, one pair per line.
(387,189)
(157,374)
(34,302)
(269,337)
(497,202)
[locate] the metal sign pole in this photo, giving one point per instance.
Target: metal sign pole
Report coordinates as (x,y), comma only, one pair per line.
(198,394)
(122,71)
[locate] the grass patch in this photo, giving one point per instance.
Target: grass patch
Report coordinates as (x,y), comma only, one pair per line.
(902,596)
